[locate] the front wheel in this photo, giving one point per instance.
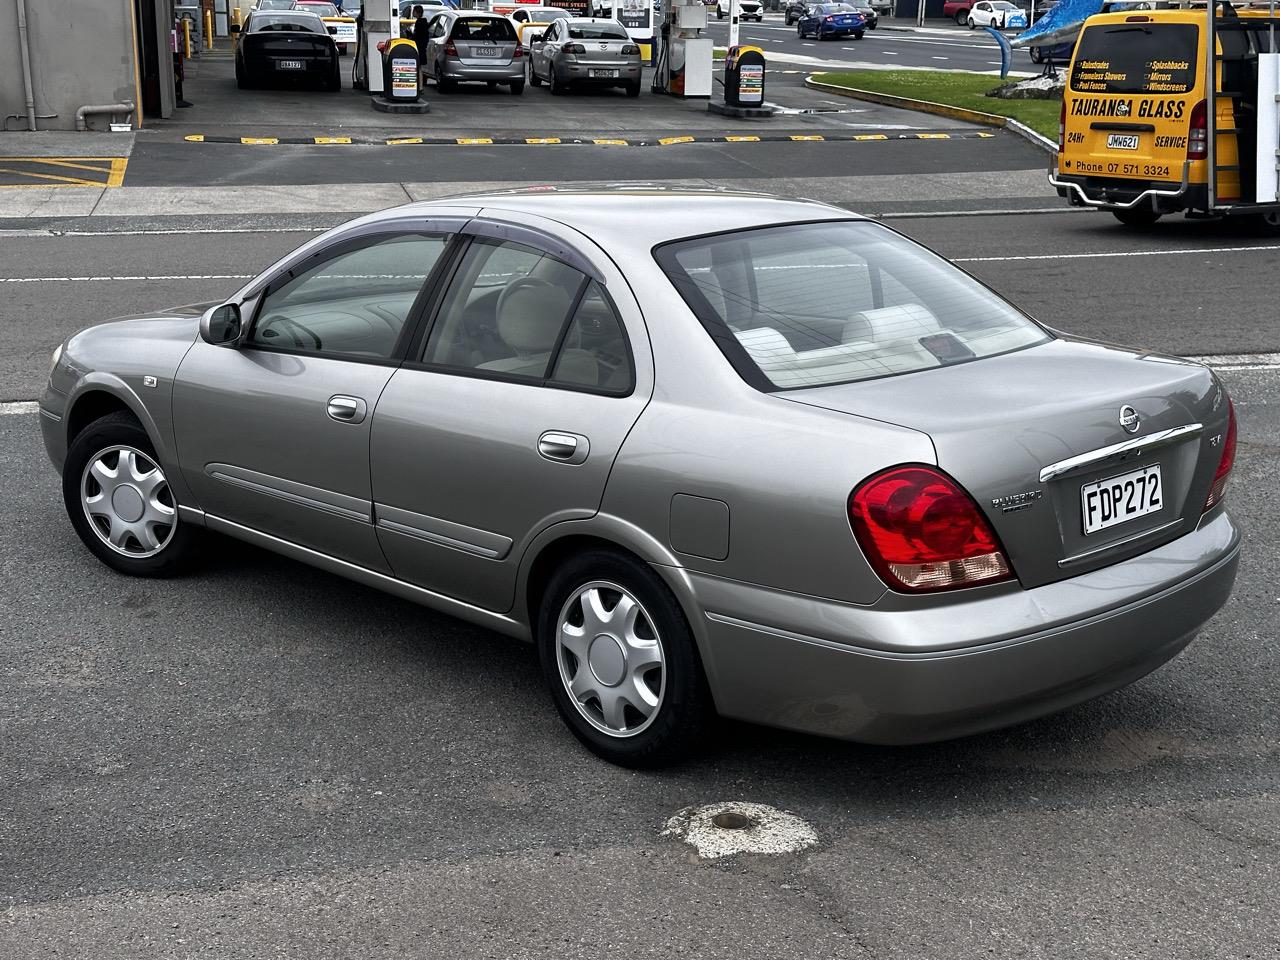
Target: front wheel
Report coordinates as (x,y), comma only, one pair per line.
(1140,216)
(120,502)
(871,26)
(960,18)
(972,25)
(621,662)
(799,32)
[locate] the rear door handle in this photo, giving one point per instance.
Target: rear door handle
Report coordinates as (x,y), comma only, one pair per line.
(564,447)
(346,409)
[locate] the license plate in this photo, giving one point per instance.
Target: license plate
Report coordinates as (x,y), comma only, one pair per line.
(288,64)
(485,51)
(1122,141)
(607,74)
(1120,499)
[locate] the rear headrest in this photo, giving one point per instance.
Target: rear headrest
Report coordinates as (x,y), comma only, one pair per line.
(530,318)
(893,323)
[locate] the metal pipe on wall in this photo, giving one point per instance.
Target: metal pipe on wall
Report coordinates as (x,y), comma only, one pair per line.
(28,90)
(124,106)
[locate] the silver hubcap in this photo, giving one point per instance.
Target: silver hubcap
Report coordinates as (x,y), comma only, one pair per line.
(611,659)
(127,501)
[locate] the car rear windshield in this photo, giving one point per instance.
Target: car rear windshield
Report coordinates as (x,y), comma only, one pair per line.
(1136,58)
(298,22)
(497,29)
(319,9)
(806,305)
(597,31)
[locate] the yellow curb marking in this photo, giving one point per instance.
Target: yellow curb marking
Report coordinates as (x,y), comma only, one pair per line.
(807,138)
(468,141)
(933,136)
(541,139)
(195,138)
(396,141)
(667,141)
(742,139)
(870,136)
(332,139)
(611,143)
(259,140)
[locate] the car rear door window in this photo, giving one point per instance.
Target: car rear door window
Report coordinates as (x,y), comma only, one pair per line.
(1136,58)
(514,312)
(353,304)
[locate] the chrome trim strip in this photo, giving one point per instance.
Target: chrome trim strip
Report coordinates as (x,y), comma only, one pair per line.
(1119,451)
(445,533)
(326,501)
(1127,542)
(56,418)
(192,513)
(372,578)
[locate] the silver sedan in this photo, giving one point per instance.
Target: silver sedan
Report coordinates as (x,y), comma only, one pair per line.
(465,46)
(585,52)
(710,453)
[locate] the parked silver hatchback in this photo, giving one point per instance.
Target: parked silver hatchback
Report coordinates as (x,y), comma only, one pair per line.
(711,453)
(583,51)
(474,45)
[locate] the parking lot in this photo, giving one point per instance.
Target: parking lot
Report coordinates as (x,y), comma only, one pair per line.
(260,759)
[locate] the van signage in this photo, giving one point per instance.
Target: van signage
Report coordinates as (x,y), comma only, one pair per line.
(1155,109)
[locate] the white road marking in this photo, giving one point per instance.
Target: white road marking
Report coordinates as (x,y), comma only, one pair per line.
(770,831)
(190,276)
(1118,253)
(17,407)
(939,58)
(1240,361)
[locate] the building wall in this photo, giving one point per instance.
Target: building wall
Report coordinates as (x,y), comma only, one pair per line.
(82,51)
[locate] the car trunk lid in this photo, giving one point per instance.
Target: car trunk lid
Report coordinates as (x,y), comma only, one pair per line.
(1025,433)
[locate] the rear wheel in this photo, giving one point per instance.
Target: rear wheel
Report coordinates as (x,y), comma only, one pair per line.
(119,500)
(242,77)
(517,87)
(1264,224)
(1139,216)
(858,35)
(334,83)
(960,17)
(554,83)
(633,89)
(533,76)
(620,661)
(445,85)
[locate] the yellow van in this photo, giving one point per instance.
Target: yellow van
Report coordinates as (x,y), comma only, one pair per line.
(1134,132)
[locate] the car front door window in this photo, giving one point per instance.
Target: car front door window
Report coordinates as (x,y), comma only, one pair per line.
(354,304)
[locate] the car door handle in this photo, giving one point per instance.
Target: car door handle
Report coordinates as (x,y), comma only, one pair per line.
(563,447)
(346,409)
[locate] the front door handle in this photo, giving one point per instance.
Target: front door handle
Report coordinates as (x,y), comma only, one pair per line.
(564,447)
(346,409)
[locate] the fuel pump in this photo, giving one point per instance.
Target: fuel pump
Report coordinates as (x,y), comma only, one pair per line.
(377,21)
(683,64)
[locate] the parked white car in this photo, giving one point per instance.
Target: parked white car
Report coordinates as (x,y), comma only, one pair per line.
(996,13)
(747,10)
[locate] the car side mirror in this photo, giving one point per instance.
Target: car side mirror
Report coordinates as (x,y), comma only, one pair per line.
(221,325)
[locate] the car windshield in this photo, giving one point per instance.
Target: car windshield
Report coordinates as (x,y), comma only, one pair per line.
(837,8)
(597,31)
(549,14)
(286,22)
(319,9)
(806,305)
(1003,5)
(487,28)
(275,4)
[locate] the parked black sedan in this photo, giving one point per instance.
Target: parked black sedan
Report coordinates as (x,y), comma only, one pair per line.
(286,46)
(798,9)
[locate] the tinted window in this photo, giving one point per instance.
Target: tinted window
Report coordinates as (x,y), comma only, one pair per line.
(286,22)
(597,31)
(319,9)
(355,303)
(814,304)
(1136,58)
(595,353)
(489,28)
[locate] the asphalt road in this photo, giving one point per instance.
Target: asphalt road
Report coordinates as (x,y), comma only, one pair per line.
(263,760)
(939,48)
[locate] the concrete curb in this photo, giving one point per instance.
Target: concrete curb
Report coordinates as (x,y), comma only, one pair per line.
(938,109)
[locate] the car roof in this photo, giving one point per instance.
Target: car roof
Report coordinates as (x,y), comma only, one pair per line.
(637,217)
(589,20)
(301,16)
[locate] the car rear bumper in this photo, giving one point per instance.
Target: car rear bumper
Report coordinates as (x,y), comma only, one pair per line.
(501,72)
(580,71)
(898,676)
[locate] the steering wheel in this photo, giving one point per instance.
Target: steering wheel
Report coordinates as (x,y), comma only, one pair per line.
(516,285)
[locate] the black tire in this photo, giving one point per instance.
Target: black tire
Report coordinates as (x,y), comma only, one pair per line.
(972,25)
(242,78)
(1140,216)
(121,429)
(633,89)
(554,84)
(491,84)
(872,25)
(960,17)
(684,713)
(858,35)
(445,85)
(334,83)
(533,76)
(1263,224)
(517,87)
(799,31)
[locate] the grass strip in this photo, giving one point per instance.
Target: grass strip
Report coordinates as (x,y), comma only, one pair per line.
(955,89)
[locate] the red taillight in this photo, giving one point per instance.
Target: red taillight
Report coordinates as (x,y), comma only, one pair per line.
(630,50)
(574,48)
(828,19)
(519,51)
(1198,136)
(449,49)
(1223,474)
(1062,126)
(922,532)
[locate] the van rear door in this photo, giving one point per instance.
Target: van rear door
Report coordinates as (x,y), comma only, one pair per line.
(1134,86)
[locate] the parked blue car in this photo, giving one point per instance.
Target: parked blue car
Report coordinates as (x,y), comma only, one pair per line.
(831,20)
